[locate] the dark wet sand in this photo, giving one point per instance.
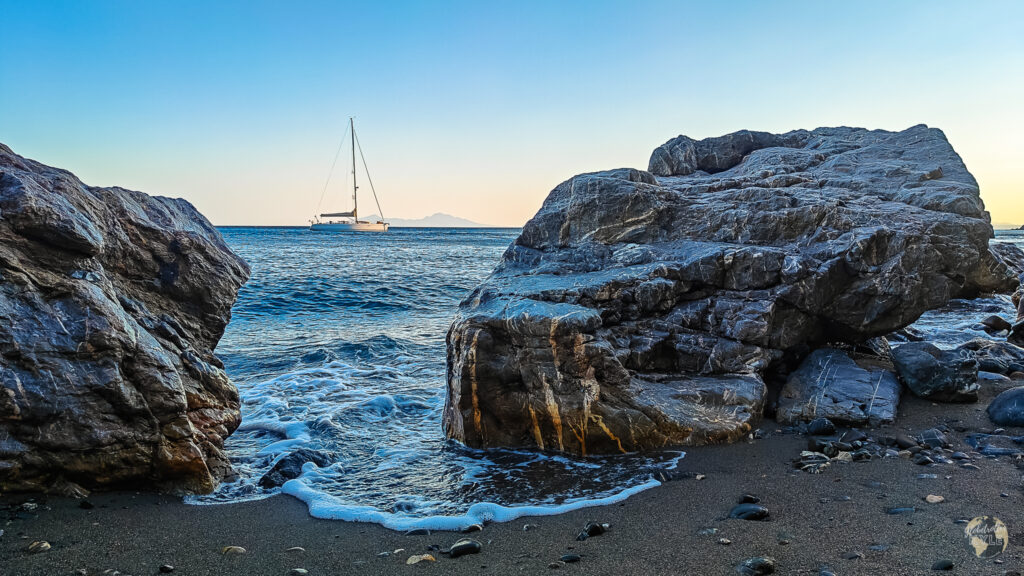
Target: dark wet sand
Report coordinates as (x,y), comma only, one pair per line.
(655,532)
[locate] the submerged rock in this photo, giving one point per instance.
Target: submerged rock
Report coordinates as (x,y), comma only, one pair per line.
(1007,409)
(935,374)
(290,466)
(643,309)
(832,385)
(111,303)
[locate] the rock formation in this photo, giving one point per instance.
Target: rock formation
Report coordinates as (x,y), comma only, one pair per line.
(639,309)
(830,384)
(111,303)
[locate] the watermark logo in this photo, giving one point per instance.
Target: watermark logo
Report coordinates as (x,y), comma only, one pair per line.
(987,536)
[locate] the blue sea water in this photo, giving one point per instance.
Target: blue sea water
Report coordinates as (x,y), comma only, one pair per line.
(336,344)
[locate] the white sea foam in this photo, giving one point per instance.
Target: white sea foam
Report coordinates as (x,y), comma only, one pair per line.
(329,507)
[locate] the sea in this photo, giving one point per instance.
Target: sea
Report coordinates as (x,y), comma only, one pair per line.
(337,345)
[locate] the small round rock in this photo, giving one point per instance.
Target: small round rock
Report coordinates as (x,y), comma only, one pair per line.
(166,569)
(943,565)
(758,566)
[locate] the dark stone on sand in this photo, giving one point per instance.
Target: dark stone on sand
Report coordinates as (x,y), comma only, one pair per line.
(749,512)
(943,565)
(934,438)
(417,532)
(904,441)
(830,384)
(923,459)
(900,510)
(463,547)
(749,499)
(759,566)
(592,529)
(166,569)
(86,505)
(290,467)
(638,310)
(821,427)
(1007,409)
(935,374)
(112,303)
(570,558)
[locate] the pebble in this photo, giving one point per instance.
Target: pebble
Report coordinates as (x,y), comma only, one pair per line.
(592,529)
(970,466)
(749,499)
(528,527)
(852,556)
(943,565)
(232,550)
(570,558)
(707,531)
(927,476)
(296,549)
(724,541)
(901,510)
(465,546)
(701,476)
(39,546)
(417,558)
(298,572)
(472,528)
(923,460)
(879,547)
(749,512)
(166,569)
(934,499)
(826,571)
(821,427)
(418,532)
(758,566)
(556,565)
(904,441)
(1004,495)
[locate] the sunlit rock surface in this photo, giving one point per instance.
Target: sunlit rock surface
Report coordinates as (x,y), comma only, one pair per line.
(111,303)
(643,309)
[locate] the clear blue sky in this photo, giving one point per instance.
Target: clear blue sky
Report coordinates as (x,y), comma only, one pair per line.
(480,108)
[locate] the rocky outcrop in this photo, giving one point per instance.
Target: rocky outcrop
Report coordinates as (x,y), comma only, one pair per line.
(111,303)
(645,308)
(942,375)
(830,384)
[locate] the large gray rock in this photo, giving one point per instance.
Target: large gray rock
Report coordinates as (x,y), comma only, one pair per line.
(111,303)
(830,384)
(637,309)
(1007,409)
(943,375)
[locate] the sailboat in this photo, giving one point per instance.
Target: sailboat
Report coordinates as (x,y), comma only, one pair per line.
(352,223)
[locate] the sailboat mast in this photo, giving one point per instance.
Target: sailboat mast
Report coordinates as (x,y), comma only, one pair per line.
(355,202)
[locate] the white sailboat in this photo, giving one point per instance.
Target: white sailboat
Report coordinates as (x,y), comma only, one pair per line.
(351,222)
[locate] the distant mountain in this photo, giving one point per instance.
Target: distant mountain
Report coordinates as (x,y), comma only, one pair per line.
(1006,226)
(438,220)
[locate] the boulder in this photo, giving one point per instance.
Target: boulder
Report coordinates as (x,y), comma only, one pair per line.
(644,308)
(1007,409)
(111,304)
(941,375)
(832,385)
(993,356)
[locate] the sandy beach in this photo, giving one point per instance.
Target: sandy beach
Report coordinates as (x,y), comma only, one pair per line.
(816,520)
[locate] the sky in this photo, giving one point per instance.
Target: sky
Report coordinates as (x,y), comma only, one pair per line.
(479,109)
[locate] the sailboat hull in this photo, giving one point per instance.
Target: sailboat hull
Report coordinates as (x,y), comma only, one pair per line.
(349,227)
